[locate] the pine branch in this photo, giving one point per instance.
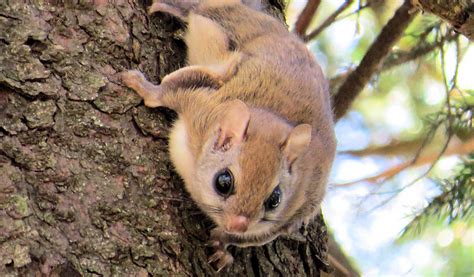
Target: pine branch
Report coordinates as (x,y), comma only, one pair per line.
(401,57)
(456,200)
(373,59)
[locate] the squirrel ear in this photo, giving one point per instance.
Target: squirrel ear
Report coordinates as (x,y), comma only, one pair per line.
(297,142)
(233,125)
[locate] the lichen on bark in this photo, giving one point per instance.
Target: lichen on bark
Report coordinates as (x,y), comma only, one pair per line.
(86,185)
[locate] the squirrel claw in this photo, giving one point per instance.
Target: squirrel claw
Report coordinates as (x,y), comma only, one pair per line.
(222,258)
(224,262)
(216,256)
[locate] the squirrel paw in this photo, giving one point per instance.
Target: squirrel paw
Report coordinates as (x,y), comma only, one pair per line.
(132,77)
(150,93)
(221,259)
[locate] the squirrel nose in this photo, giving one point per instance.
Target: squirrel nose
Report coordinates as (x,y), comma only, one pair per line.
(237,223)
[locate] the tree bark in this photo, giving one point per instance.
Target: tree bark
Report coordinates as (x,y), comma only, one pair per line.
(459,13)
(86,185)
(306,16)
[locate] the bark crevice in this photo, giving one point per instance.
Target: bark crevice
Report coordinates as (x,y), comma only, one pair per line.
(86,185)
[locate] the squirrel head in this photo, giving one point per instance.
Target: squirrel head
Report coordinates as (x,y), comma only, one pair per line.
(247,171)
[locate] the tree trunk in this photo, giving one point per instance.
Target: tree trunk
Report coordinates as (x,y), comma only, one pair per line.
(86,185)
(458,13)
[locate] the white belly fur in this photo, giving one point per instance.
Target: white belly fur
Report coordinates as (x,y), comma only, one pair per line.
(180,153)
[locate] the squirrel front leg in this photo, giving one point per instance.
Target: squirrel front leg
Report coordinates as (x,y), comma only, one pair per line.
(189,77)
(150,93)
(220,240)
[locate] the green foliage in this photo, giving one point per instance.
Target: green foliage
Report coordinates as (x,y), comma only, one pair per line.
(453,249)
(455,202)
(457,116)
(421,95)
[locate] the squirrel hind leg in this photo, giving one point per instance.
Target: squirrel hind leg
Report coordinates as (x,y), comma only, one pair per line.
(254,4)
(177,8)
(164,8)
(181,9)
(218,3)
(207,41)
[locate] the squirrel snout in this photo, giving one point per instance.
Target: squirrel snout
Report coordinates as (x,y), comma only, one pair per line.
(237,224)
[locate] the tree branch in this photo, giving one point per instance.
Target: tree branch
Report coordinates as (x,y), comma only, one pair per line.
(304,19)
(401,57)
(331,18)
(372,60)
(397,58)
(393,148)
(460,149)
(460,14)
(339,260)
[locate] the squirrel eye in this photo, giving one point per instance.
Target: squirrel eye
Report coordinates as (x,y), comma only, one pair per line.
(224,183)
(274,200)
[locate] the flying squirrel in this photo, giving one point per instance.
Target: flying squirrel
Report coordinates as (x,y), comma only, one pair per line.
(254,140)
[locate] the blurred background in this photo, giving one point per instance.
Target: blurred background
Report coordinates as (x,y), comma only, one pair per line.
(400,197)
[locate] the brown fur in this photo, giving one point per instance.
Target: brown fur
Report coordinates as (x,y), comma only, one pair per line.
(239,53)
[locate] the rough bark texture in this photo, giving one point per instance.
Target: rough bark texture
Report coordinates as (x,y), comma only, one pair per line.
(458,13)
(86,186)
